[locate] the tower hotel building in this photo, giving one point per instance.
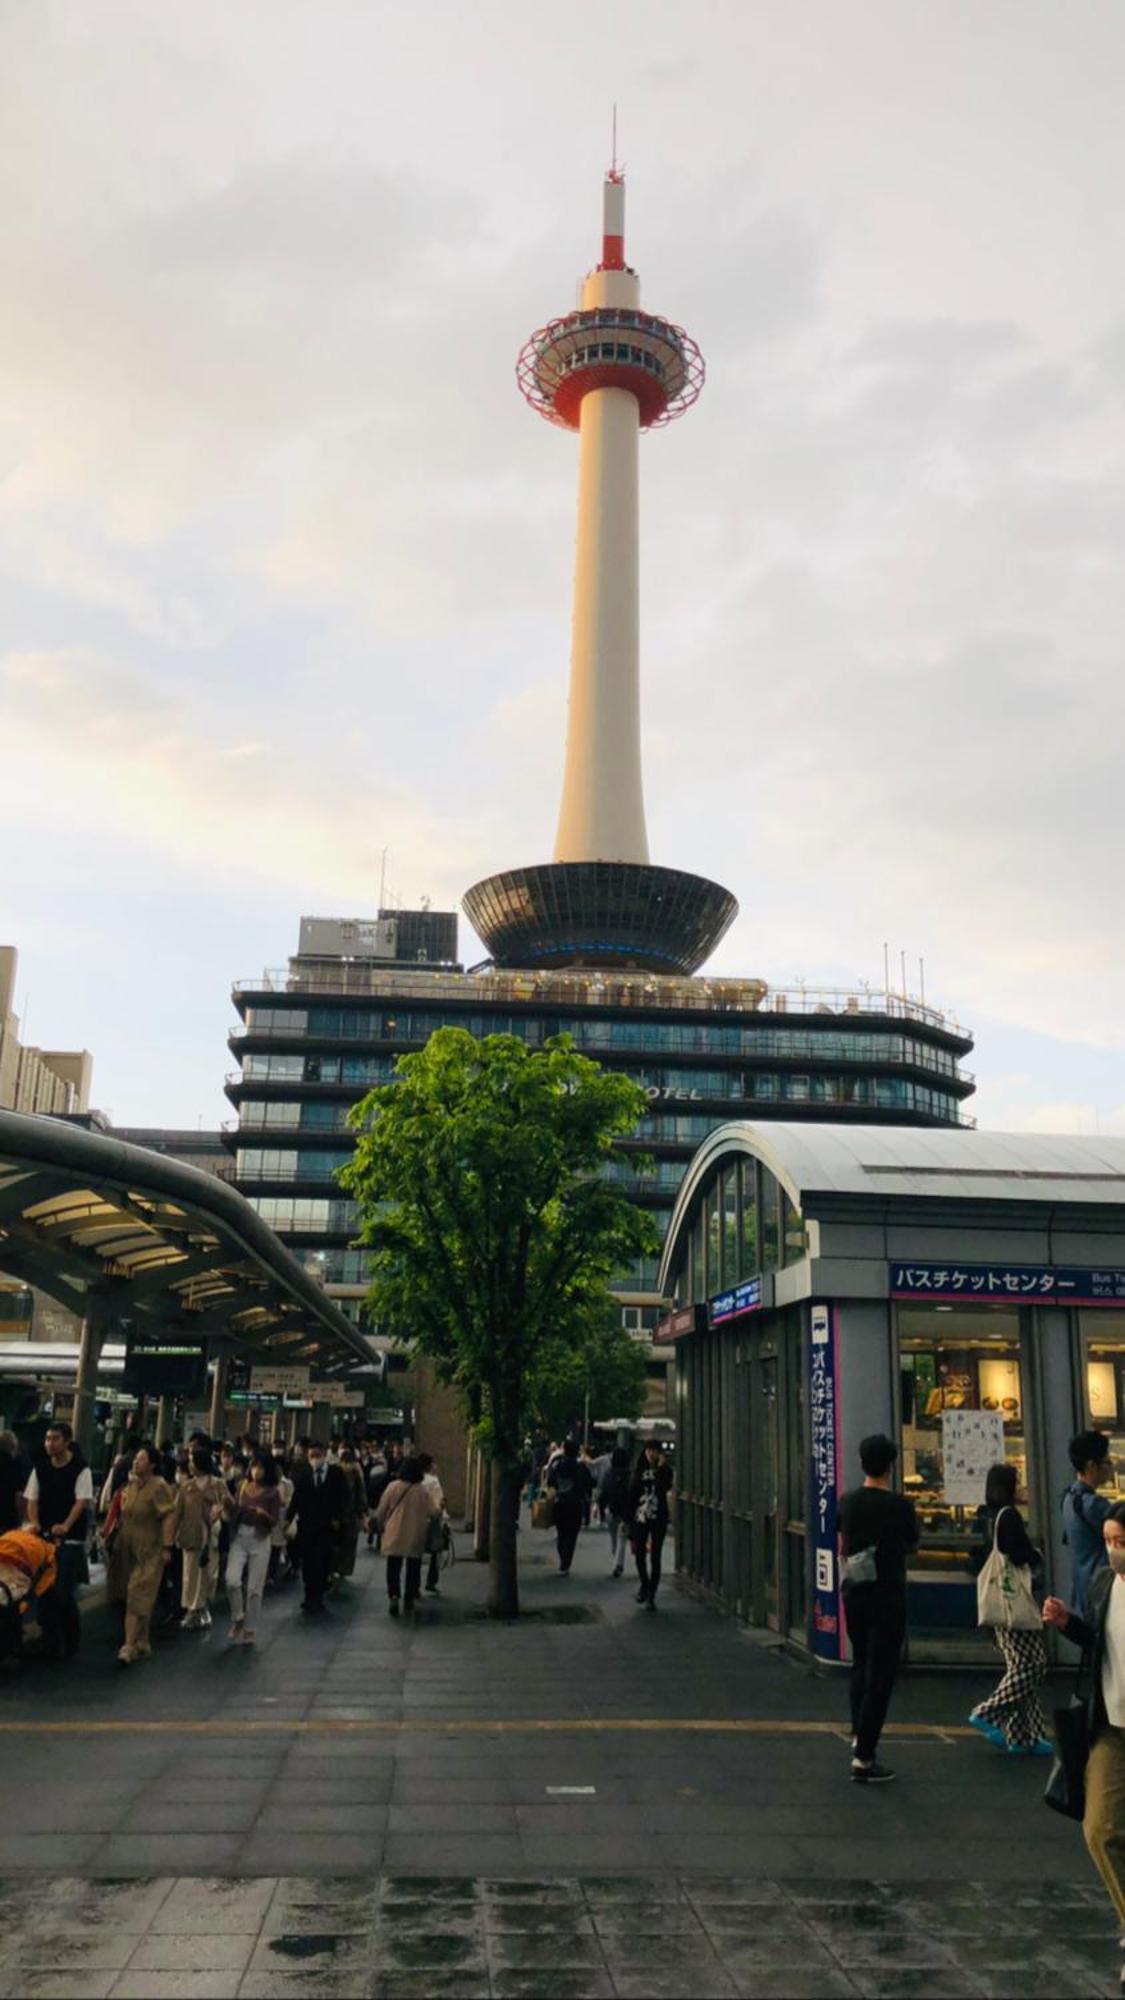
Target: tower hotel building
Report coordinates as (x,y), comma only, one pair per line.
(599,943)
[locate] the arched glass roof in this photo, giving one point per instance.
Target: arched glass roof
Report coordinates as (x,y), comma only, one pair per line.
(895,1161)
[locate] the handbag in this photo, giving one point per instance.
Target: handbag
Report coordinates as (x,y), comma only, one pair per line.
(435,1535)
(862,1567)
(543,1511)
(1005,1599)
(1065,1790)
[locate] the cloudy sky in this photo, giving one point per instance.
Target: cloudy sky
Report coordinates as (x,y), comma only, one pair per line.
(285,561)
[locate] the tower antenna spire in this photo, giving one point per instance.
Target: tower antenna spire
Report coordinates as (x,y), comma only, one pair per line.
(616,173)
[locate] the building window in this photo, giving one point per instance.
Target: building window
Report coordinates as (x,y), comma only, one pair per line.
(748,1169)
(951,1363)
(793,1232)
(730,1246)
(770,1236)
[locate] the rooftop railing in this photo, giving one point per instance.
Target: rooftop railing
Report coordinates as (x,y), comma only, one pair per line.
(574,988)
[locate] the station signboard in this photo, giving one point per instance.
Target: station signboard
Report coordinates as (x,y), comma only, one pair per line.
(828,1636)
(1035,1284)
(740,1299)
(675,1325)
(164,1368)
(338,1395)
(280,1381)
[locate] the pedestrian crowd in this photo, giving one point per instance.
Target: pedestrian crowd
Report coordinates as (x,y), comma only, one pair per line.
(569,1487)
(177,1526)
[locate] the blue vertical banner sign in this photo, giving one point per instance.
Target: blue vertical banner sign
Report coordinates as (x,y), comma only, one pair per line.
(824,1453)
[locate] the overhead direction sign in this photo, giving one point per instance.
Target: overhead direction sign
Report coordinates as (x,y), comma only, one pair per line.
(279,1381)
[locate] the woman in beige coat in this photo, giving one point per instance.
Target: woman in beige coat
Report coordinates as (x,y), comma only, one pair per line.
(199,1498)
(148,1507)
(403,1517)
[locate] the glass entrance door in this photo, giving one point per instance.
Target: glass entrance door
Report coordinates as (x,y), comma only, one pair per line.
(768,1457)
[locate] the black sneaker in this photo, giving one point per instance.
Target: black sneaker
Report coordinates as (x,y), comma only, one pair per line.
(642,1594)
(873,1773)
(392,1607)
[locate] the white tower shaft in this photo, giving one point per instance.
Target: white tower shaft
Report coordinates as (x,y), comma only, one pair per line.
(602,815)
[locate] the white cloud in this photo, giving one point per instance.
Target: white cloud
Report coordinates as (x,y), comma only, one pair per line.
(286,564)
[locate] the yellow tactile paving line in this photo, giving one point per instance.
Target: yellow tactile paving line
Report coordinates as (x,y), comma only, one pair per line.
(329,1725)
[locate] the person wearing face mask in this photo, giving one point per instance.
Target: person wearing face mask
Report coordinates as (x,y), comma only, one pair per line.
(1101,1635)
(319,1504)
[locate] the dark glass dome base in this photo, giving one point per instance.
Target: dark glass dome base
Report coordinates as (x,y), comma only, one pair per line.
(599,913)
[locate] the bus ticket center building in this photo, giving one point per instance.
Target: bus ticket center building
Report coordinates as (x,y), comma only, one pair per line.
(962,1291)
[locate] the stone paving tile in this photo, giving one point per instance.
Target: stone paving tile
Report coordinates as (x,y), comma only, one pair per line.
(489,1850)
(304,1985)
(579,1984)
(141,1853)
(554,1924)
(310,1953)
(344,1905)
(452,1816)
(795,1985)
(20,1985)
(168,1951)
(203,1904)
(51,1951)
(172,1986)
(510,1950)
(921,1983)
(399,1886)
(432,1952)
(78,1904)
(654,1982)
(417,1986)
(267,1852)
(43,1854)
(548,1889)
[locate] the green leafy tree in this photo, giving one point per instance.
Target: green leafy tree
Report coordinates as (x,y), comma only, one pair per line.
(494,1236)
(606,1377)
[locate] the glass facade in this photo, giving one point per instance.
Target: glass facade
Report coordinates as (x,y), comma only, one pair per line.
(303,1066)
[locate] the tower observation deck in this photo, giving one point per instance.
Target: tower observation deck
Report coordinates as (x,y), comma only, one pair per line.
(608,370)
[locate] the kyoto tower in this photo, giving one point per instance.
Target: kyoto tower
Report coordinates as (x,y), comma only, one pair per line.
(608,371)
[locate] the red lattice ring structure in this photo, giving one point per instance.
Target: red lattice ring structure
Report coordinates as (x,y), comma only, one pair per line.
(610,347)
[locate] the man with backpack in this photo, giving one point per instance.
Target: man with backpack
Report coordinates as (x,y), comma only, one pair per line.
(1084,1512)
(569,1480)
(613,1499)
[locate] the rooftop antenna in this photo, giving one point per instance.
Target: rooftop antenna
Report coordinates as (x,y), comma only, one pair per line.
(616,173)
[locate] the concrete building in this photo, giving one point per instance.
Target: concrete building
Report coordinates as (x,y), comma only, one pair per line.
(43,1081)
(963,1292)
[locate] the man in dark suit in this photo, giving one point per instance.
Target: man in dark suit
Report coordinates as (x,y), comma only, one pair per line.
(319,1502)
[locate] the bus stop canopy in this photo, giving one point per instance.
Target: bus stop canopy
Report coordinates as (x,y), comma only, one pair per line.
(127,1238)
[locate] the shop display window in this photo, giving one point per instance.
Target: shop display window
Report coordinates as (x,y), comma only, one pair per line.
(954,1367)
(1103,1339)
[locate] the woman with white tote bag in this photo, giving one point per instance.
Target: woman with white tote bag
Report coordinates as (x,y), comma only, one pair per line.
(1012,1717)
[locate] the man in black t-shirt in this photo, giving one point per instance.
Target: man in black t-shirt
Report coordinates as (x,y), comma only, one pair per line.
(878,1530)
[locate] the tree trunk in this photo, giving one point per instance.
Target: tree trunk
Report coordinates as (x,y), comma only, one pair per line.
(482,1525)
(503,1582)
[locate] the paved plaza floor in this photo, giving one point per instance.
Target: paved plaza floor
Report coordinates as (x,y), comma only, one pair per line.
(598,1801)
